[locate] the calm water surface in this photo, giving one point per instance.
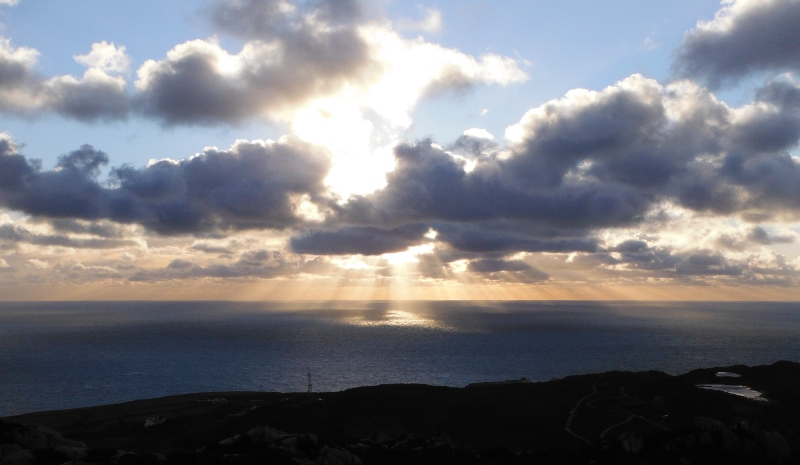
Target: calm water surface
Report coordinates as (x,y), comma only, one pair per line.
(63,355)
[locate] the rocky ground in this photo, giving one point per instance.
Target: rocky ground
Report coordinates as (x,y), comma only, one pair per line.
(614,418)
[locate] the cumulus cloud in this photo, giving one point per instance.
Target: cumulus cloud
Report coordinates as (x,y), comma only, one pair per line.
(37,264)
(430,22)
(294,55)
(581,164)
(106,57)
(619,158)
(745,36)
(94,96)
(251,185)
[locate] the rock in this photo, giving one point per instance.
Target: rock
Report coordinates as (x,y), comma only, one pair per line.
(265,432)
(730,443)
(39,437)
(9,449)
(631,442)
(776,447)
(290,445)
(708,424)
(230,440)
(23,457)
(72,452)
(336,456)
(154,420)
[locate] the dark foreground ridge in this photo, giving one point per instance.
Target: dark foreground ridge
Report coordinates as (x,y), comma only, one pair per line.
(607,418)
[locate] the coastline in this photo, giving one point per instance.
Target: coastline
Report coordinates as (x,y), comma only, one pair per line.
(613,415)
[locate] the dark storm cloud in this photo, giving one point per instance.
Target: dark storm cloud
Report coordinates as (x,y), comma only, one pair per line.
(251,186)
(745,37)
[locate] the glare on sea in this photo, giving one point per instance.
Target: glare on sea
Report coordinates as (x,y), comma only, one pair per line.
(397,318)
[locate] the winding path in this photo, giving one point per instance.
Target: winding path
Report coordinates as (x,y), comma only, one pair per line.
(572,415)
(631,416)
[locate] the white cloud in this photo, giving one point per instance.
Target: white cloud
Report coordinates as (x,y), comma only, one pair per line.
(37,264)
(479,133)
(9,2)
(106,57)
(4,264)
(432,22)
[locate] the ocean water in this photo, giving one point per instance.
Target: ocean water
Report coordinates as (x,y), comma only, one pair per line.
(74,354)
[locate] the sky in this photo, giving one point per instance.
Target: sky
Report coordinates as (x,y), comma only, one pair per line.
(338,149)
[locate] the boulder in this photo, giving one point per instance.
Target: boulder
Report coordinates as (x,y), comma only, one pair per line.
(23,457)
(230,440)
(336,456)
(42,437)
(776,447)
(72,452)
(631,442)
(8,449)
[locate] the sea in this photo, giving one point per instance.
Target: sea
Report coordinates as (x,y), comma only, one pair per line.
(58,355)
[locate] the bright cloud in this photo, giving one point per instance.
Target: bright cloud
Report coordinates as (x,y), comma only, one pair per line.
(106,57)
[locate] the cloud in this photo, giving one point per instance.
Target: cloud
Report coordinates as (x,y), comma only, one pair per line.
(74,270)
(297,53)
(745,36)
(262,264)
(37,264)
(9,2)
(581,164)
(506,270)
(18,234)
(106,57)
(310,64)
(94,96)
(431,22)
(358,240)
(253,185)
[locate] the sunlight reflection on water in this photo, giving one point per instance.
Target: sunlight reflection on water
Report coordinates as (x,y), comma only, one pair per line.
(397,318)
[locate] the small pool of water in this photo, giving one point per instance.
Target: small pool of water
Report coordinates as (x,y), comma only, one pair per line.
(742,391)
